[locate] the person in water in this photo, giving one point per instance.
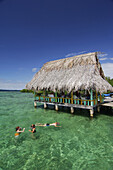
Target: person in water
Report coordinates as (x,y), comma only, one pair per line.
(48,124)
(33,129)
(19,131)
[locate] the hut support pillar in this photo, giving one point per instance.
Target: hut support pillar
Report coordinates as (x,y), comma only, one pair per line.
(72,97)
(45,105)
(34,95)
(91,112)
(91,97)
(102,97)
(56,107)
(44,94)
(96,97)
(56,96)
(98,109)
(72,110)
(35,104)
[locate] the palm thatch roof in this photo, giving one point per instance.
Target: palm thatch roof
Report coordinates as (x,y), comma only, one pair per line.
(81,72)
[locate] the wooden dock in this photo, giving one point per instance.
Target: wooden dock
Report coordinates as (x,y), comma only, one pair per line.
(67,102)
(108,102)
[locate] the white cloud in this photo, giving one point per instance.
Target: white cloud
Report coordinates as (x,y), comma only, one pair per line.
(103,59)
(74,54)
(111,58)
(108,69)
(34,69)
(11,85)
(70,55)
(102,54)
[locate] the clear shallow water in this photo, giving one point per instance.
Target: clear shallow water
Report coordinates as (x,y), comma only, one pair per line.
(80,144)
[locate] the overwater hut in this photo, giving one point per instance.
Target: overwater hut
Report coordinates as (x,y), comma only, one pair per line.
(73,75)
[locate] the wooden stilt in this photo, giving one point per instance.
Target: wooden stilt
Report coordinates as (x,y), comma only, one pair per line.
(35,104)
(72,97)
(98,108)
(91,113)
(72,110)
(45,105)
(56,107)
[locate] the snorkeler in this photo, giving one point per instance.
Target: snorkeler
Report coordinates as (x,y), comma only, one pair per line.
(19,131)
(33,129)
(47,124)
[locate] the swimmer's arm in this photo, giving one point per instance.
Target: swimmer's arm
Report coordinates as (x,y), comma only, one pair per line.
(31,131)
(58,126)
(21,131)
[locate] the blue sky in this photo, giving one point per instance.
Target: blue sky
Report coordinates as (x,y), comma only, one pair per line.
(33,32)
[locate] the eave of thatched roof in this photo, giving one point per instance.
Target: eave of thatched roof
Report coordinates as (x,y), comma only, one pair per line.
(82,72)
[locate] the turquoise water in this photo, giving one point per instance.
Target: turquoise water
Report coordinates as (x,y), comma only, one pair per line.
(80,144)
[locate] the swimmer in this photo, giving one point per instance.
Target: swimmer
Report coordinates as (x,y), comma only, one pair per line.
(33,129)
(19,131)
(47,124)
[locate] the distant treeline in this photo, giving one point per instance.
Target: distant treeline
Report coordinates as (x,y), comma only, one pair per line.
(110,81)
(26,91)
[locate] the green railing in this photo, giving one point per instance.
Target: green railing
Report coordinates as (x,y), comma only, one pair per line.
(66,100)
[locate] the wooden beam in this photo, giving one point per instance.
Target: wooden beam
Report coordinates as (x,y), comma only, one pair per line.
(71,97)
(91,97)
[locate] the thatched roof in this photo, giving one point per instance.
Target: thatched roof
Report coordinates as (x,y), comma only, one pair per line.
(74,73)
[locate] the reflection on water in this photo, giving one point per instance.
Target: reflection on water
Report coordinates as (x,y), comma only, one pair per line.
(81,143)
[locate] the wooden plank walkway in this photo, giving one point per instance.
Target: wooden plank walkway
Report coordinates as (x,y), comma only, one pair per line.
(108,102)
(68,105)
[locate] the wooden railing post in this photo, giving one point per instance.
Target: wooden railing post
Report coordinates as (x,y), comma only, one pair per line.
(96,97)
(56,96)
(71,97)
(91,97)
(34,95)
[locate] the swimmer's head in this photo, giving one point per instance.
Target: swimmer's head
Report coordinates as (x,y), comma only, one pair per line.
(18,128)
(57,123)
(32,126)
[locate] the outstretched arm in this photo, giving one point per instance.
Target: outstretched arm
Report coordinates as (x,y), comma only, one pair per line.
(58,126)
(20,130)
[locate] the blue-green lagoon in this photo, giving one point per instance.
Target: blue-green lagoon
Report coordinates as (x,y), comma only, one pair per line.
(80,144)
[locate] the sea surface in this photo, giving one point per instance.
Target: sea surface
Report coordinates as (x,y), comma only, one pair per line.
(80,143)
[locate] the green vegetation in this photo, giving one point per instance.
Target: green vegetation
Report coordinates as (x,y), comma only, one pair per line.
(110,81)
(26,91)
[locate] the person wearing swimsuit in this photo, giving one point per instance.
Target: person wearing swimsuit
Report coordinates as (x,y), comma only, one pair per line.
(33,129)
(19,131)
(48,124)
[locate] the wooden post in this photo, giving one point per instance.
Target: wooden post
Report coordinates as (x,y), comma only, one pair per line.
(100,98)
(96,97)
(71,97)
(72,110)
(35,95)
(56,96)
(35,104)
(91,97)
(44,94)
(98,108)
(91,113)
(45,105)
(56,107)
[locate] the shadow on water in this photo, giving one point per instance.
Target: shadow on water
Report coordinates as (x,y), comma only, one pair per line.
(80,112)
(106,110)
(77,111)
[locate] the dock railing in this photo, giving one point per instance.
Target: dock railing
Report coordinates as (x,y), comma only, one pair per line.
(61,100)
